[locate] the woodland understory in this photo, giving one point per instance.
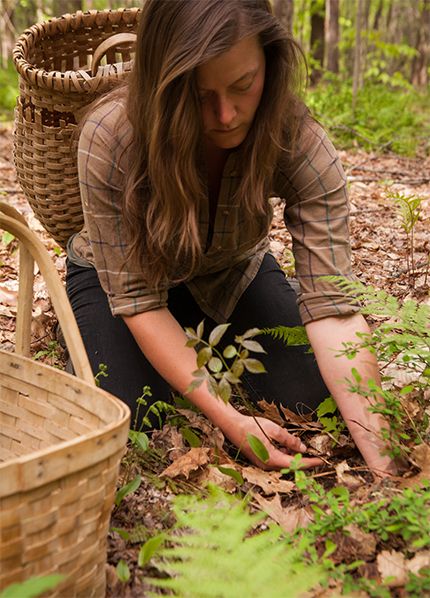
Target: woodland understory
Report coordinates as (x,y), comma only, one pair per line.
(366,537)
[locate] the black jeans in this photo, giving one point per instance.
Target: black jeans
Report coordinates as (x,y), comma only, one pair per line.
(292,379)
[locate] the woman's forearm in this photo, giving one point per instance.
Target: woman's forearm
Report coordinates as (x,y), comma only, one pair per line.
(327,337)
(162,341)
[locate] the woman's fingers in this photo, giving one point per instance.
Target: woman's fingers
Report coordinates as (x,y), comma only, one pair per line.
(278,460)
(291,442)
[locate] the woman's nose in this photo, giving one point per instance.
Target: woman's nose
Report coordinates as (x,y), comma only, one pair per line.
(225,111)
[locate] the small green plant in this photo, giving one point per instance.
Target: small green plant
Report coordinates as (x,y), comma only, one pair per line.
(51,354)
(7,238)
(127,489)
(418,586)
(33,587)
(214,368)
(328,415)
(102,373)
(123,571)
(212,542)
(289,266)
(213,363)
(409,208)
(137,437)
(403,518)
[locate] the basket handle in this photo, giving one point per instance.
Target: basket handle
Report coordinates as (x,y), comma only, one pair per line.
(111,42)
(31,250)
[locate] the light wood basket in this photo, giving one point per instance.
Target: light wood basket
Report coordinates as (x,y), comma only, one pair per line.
(61,441)
(60,72)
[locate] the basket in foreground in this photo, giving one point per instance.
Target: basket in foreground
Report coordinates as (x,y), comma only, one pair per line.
(59,74)
(61,441)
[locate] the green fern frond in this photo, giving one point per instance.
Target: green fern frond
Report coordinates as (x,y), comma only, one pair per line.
(375,301)
(211,554)
(292,336)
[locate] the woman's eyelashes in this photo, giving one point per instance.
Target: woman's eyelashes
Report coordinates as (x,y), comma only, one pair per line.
(236,89)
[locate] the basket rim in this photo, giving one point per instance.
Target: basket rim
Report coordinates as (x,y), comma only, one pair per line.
(80,80)
(23,464)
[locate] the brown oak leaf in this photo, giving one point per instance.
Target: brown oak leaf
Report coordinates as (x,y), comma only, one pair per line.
(269,481)
(288,518)
(184,465)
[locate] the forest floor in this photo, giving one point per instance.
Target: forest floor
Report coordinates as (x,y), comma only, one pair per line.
(171,465)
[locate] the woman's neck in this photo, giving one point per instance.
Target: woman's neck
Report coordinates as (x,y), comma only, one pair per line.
(216,158)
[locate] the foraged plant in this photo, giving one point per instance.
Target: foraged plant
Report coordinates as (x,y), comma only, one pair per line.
(409,209)
(222,368)
(213,551)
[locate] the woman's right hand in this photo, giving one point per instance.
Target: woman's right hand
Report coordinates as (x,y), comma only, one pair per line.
(267,431)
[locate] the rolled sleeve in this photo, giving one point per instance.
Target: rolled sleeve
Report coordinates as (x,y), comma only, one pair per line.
(101,154)
(316,214)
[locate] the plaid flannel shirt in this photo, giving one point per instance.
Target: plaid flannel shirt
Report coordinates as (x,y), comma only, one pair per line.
(316,216)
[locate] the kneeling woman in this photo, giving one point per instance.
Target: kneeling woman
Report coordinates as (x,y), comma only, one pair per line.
(176,169)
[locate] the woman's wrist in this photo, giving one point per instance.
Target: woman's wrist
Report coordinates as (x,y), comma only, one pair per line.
(221,414)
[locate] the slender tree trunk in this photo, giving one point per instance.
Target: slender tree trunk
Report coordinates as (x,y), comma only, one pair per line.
(62,7)
(332,35)
(284,11)
(378,15)
(7,33)
(317,41)
(357,53)
(364,41)
(421,62)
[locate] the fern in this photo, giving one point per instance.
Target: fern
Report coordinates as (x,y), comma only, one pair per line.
(291,336)
(211,555)
(405,336)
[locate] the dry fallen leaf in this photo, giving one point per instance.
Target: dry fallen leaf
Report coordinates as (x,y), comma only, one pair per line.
(195,458)
(269,481)
(212,475)
(345,479)
(214,435)
(289,519)
(294,418)
(421,456)
(8,295)
(392,568)
(420,561)
(322,444)
(271,411)
(169,436)
(364,543)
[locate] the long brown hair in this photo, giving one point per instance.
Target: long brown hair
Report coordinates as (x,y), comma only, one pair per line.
(164,189)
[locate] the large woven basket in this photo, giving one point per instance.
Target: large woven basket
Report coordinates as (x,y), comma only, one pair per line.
(59,73)
(61,441)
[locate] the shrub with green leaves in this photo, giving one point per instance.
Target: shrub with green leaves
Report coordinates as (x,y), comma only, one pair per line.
(8,91)
(383,116)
